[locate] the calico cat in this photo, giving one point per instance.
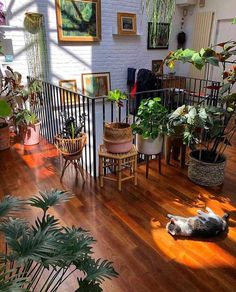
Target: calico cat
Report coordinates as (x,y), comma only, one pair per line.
(203,225)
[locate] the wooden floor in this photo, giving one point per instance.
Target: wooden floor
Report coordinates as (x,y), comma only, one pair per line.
(146,257)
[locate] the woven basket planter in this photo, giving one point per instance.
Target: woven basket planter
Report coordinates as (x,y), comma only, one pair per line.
(71,146)
(118,137)
(206,173)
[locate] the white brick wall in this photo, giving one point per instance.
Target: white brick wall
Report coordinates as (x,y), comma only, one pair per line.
(113,54)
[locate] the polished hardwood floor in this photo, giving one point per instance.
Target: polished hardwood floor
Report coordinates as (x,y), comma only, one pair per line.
(145,255)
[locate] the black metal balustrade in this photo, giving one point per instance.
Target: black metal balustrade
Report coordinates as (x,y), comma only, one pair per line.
(57,100)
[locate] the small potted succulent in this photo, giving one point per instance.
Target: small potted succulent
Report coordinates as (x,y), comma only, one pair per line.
(118,137)
(5,111)
(149,126)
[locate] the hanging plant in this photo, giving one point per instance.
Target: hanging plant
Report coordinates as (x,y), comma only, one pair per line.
(33,22)
(158,11)
(36,47)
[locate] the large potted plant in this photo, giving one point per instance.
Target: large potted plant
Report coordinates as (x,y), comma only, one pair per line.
(44,255)
(149,126)
(5,111)
(207,164)
(118,137)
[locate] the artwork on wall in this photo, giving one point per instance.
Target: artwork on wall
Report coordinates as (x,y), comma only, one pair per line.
(126,23)
(69,85)
(157,67)
(96,84)
(2,14)
(79,20)
(158,38)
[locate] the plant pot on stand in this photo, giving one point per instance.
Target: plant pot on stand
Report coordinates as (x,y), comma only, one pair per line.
(118,137)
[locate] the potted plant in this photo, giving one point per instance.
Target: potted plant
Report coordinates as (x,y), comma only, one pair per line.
(149,126)
(29,126)
(5,111)
(72,139)
(44,255)
(207,164)
(118,137)
(21,98)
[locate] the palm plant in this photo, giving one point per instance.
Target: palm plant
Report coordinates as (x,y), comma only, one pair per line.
(46,254)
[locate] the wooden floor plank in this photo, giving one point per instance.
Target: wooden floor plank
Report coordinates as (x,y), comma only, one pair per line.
(145,255)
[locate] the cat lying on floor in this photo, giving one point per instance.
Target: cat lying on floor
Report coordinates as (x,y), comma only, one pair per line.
(203,225)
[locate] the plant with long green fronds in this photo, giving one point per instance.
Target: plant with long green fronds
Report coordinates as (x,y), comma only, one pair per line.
(158,11)
(44,255)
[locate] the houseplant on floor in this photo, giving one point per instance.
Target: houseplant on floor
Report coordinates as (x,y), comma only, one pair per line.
(118,137)
(5,111)
(149,126)
(44,255)
(207,165)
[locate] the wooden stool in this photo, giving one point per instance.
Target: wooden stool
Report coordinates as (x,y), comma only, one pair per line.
(118,162)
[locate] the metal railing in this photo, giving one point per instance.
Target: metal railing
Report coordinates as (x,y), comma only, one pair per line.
(57,100)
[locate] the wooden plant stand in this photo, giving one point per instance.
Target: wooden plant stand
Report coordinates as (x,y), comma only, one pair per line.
(117,162)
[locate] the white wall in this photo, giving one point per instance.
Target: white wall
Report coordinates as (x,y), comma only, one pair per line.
(225,9)
(114,53)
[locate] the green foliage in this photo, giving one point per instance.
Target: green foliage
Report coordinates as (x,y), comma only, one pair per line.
(5,109)
(117,97)
(150,118)
(47,249)
(234,21)
(191,121)
(26,118)
(9,205)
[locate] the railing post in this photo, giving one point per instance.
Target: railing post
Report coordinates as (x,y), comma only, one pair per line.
(94,139)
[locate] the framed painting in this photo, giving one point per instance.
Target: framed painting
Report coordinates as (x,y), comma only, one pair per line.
(126,23)
(157,67)
(78,20)
(96,84)
(158,38)
(70,85)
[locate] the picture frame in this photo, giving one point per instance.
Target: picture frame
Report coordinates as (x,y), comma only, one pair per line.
(96,84)
(70,85)
(126,23)
(78,20)
(157,67)
(158,39)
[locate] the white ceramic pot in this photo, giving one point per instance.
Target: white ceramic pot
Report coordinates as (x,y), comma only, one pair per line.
(149,146)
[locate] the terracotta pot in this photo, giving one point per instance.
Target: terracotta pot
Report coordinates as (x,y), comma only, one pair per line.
(4,138)
(149,146)
(118,137)
(30,134)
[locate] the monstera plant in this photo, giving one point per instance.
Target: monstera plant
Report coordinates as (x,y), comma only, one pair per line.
(207,164)
(44,255)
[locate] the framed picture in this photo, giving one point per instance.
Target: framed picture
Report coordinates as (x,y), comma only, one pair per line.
(126,23)
(96,84)
(69,85)
(158,38)
(157,67)
(78,20)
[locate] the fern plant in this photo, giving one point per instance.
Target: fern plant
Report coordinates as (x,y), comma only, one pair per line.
(45,254)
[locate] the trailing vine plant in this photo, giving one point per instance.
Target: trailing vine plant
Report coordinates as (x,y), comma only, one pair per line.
(36,47)
(158,11)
